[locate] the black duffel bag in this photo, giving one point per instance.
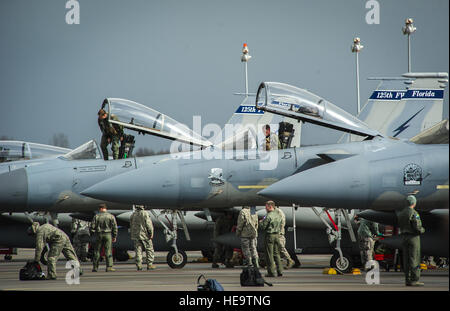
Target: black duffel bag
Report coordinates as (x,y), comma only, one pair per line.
(31,271)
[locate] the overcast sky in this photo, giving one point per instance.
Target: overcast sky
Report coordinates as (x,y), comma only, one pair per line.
(183,57)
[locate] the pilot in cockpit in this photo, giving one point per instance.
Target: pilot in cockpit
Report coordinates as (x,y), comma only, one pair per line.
(111,133)
(271,141)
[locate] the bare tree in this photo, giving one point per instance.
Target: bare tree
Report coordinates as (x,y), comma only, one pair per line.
(60,140)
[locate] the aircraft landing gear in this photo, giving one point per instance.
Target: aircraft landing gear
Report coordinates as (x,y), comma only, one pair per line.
(340,260)
(176,259)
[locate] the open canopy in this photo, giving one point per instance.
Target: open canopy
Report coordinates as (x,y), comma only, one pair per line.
(143,119)
(21,150)
(86,151)
(290,101)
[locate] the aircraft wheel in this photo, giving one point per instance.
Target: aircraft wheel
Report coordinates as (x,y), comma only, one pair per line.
(176,261)
(345,265)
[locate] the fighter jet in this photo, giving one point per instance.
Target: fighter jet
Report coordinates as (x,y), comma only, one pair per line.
(388,169)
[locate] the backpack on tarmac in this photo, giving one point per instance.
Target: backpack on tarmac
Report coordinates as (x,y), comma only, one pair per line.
(250,276)
(210,285)
(31,271)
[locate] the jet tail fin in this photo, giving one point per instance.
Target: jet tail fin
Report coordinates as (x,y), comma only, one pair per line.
(406,106)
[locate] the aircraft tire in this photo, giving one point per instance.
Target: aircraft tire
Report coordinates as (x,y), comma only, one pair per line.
(344,266)
(176,262)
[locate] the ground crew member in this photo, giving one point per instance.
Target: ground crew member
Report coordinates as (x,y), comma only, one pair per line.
(141,228)
(410,231)
(223,225)
(271,225)
(58,242)
(80,233)
(247,230)
(111,133)
(283,251)
(366,232)
(271,141)
(104,226)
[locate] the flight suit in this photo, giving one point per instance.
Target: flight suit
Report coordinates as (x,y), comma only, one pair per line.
(410,231)
(247,230)
(283,251)
(271,226)
(113,132)
(80,231)
(222,225)
(104,226)
(141,229)
(367,229)
(58,242)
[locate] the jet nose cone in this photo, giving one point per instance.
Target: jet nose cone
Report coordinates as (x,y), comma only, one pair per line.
(14,190)
(334,185)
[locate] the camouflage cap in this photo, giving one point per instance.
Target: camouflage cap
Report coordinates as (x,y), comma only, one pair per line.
(139,207)
(411,200)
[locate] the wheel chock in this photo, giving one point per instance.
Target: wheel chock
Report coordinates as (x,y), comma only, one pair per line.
(423,266)
(329,271)
(356,271)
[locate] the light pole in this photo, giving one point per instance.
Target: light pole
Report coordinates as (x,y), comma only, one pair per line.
(356,48)
(408,29)
(245,58)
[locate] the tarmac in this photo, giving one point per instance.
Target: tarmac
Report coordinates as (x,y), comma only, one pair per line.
(309,277)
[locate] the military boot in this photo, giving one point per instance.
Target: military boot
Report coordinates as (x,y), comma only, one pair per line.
(290,263)
(151,267)
(95,269)
(110,269)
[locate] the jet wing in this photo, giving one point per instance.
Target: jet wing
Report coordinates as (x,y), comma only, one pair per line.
(296,103)
(145,120)
(437,134)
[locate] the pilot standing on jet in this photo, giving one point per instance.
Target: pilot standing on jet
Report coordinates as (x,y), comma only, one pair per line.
(111,133)
(410,231)
(271,141)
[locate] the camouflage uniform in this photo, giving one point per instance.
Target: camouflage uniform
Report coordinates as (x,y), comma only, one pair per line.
(104,226)
(58,242)
(247,230)
(283,251)
(272,227)
(80,231)
(366,231)
(113,132)
(411,229)
(141,228)
(222,225)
